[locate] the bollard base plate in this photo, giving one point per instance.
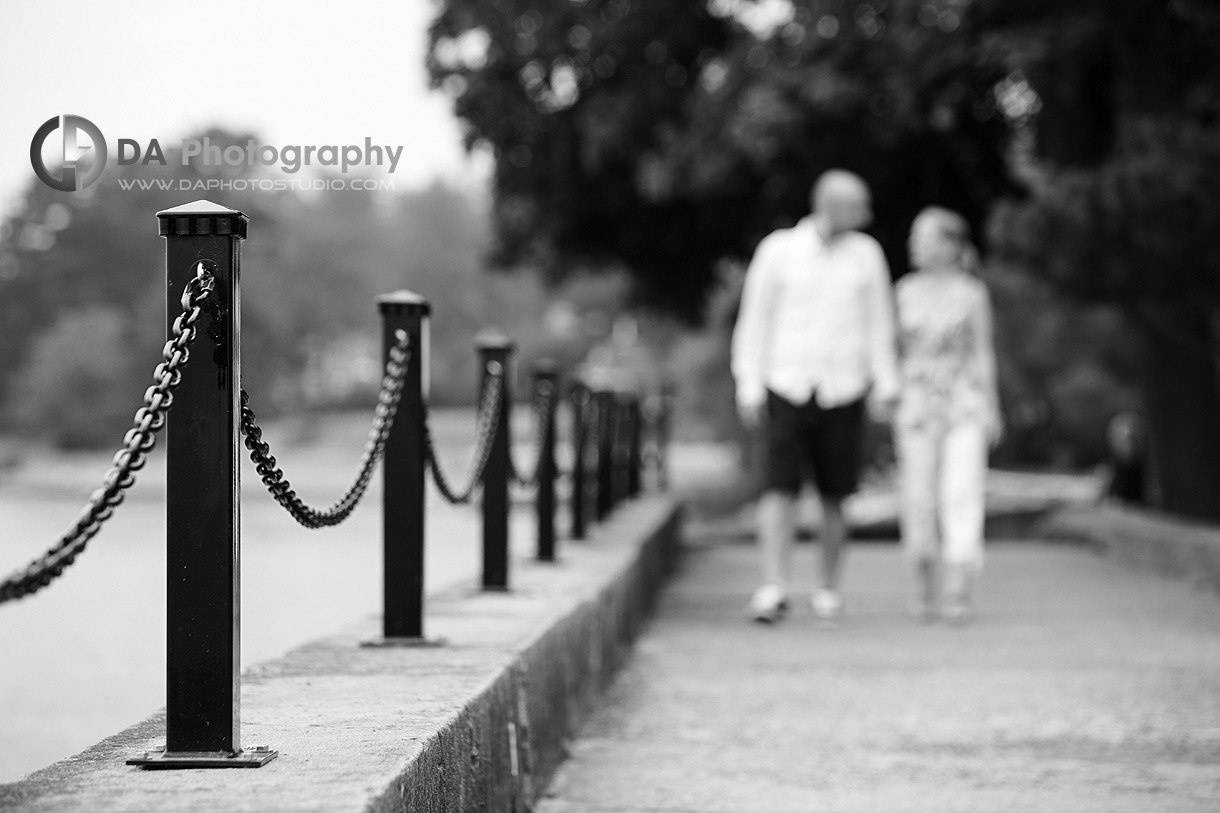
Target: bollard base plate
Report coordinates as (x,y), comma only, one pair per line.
(160,759)
(391,643)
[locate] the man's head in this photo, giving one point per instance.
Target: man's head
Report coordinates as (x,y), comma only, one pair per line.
(841,202)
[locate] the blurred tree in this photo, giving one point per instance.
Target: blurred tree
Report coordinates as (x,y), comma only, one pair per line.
(1064,370)
(700,366)
(572,97)
(75,263)
(1124,210)
(313,265)
(665,136)
(66,390)
(94,250)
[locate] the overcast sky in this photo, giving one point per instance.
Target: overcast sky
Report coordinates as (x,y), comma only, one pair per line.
(292,71)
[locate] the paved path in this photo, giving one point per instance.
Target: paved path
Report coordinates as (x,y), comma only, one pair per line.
(1081,686)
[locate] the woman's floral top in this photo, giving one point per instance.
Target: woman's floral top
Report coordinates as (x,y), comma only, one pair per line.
(941,355)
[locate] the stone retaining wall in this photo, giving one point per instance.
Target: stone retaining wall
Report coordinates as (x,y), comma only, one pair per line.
(1149,540)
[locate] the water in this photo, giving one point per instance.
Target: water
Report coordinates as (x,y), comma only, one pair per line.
(85,657)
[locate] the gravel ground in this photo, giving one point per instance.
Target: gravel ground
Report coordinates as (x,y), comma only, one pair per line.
(1081,686)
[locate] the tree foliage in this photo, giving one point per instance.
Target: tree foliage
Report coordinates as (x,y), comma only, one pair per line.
(1122,204)
(578,101)
(1123,210)
(82,303)
(665,136)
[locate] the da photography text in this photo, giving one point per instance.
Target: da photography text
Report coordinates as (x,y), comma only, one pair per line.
(69,153)
(290,158)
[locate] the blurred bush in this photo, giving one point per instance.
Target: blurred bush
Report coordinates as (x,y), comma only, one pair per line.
(705,394)
(1064,370)
(76,387)
(82,310)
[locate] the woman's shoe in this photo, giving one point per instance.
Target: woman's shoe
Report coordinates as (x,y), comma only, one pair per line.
(956,608)
(957,611)
(827,606)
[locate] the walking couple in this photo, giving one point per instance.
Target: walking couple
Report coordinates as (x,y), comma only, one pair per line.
(817,344)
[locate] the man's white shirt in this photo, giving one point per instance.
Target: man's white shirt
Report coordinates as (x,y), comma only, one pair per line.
(815,317)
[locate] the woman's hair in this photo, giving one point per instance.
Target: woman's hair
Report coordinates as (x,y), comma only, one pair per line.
(953,227)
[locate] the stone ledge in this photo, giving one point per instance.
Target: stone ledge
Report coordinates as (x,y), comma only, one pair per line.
(1148,540)
(478,724)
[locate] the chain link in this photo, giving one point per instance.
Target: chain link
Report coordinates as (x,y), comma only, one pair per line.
(488,422)
(544,413)
(137,443)
(383,419)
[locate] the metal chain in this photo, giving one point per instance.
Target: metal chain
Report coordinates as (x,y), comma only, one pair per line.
(383,419)
(137,443)
(544,413)
(488,423)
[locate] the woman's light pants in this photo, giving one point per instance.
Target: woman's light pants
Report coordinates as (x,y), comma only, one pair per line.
(942,471)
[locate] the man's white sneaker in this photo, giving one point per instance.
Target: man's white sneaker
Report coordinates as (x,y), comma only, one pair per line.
(827,606)
(768,604)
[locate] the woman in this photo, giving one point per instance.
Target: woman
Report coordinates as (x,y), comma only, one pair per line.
(948,413)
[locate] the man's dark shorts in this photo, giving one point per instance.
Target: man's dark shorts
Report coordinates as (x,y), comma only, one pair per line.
(823,442)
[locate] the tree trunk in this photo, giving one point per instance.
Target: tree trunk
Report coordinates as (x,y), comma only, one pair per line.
(1182,396)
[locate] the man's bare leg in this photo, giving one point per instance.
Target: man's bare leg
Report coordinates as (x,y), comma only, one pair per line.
(827,604)
(834,538)
(776,526)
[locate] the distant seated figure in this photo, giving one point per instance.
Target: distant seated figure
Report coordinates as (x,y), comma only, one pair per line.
(1125,468)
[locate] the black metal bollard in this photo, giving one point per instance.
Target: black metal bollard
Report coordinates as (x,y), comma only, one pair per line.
(203,509)
(603,403)
(495,353)
(546,390)
(619,452)
(634,444)
(581,408)
(661,436)
(404,476)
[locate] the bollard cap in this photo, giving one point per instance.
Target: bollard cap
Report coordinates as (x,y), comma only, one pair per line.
(402,298)
(202,218)
(492,339)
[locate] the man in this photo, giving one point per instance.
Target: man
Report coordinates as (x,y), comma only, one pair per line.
(814,339)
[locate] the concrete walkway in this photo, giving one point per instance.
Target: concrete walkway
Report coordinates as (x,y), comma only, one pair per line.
(1081,686)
